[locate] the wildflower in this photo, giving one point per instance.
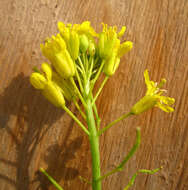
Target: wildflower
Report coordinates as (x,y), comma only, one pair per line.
(49,88)
(110,48)
(56,51)
(108,39)
(153,97)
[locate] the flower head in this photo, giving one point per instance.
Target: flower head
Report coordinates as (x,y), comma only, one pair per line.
(153,97)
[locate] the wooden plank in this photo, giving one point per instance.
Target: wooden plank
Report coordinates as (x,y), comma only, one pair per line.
(33,133)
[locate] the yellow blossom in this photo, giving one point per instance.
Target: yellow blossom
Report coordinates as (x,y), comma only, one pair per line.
(55,50)
(110,48)
(153,97)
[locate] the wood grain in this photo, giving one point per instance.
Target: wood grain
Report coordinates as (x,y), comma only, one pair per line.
(33,133)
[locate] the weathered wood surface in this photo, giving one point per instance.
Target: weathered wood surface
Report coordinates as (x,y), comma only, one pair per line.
(33,133)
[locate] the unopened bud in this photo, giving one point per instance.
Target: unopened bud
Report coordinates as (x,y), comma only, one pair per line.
(111,65)
(37,80)
(64,64)
(52,92)
(73,44)
(91,49)
(84,43)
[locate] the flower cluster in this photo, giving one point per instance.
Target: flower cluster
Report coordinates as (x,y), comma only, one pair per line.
(76,54)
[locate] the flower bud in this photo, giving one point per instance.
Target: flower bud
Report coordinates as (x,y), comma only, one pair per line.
(37,80)
(111,65)
(64,65)
(84,43)
(101,45)
(52,93)
(144,104)
(73,45)
(91,49)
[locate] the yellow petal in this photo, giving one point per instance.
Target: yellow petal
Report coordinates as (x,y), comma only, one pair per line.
(74,44)
(167,100)
(124,48)
(64,31)
(164,107)
(122,31)
(146,76)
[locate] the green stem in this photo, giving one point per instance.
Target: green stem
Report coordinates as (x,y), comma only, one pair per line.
(100,89)
(76,120)
(124,116)
(78,92)
(94,143)
(79,80)
(130,154)
(98,119)
(51,179)
(79,109)
(131,182)
(97,75)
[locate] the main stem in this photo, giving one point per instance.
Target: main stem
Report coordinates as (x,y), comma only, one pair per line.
(94,144)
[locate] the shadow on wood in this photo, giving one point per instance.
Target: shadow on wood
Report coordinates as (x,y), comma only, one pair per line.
(34,116)
(57,156)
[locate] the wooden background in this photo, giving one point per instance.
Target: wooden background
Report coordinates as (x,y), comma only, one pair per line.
(33,133)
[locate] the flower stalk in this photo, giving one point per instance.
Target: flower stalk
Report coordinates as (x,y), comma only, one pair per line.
(94,144)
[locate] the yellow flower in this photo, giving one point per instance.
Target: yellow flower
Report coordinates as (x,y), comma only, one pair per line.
(55,50)
(49,88)
(153,97)
(110,48)
(108,41)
